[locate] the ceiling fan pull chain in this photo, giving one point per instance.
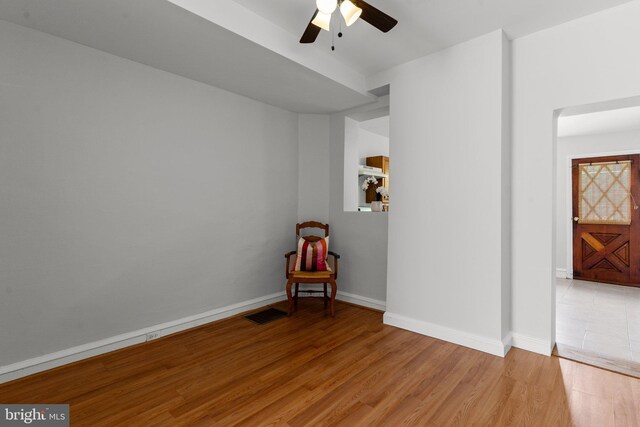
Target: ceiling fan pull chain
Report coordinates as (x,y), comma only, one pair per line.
(333,31)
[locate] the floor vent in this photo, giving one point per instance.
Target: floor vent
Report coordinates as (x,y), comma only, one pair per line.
(266,316)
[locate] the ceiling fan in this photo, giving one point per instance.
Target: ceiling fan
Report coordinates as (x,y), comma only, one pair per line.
(351,10)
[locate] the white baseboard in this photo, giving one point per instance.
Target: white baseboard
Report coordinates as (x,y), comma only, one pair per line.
(354,299)
(84,351)
(495,347)
(561,273)
(360,300)
(53,360)
(535,345)
(477,342)
(507,343)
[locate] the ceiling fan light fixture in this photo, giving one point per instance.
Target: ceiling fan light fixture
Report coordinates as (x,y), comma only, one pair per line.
(322,20)
(327,6)
(350,12)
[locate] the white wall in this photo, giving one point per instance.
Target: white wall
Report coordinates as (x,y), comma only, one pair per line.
(371,145)
(589,60)
(575,147)
(361,238)
(448,259)
(130,196)
(350,166)
(313,167)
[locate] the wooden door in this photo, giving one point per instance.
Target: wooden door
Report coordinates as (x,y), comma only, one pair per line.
(606,219)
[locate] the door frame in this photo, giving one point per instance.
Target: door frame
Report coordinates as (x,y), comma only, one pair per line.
(569,201)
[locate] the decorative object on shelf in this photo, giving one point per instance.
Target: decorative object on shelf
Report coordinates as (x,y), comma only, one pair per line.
(377,206)
(381,193)
(381,163)
(368,181)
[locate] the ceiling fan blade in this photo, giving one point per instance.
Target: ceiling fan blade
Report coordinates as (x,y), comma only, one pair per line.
(311,32)
(375,17)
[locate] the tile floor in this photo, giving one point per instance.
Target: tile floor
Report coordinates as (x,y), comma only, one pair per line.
(599,318)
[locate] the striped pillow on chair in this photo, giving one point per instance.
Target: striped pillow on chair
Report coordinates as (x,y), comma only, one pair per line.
(312,256)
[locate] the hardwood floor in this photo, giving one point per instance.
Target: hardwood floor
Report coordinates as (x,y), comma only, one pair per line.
(311,369)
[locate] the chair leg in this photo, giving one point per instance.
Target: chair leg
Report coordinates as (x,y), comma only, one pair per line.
(295,297)
(289,296)
(334,291)
(326,298)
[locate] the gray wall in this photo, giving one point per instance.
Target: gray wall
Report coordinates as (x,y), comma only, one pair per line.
(130,196)
(313,168)
(359,237)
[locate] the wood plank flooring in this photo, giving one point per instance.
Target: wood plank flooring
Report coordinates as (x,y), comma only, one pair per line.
(311,369)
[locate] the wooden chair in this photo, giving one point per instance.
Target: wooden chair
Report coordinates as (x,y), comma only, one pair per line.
(311,277)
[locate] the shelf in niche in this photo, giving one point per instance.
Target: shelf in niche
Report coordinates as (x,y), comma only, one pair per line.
(364,172)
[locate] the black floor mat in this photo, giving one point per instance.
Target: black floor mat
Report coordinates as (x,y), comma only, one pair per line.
(266,316)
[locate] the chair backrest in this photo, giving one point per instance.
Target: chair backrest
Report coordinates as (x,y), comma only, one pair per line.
(311,224)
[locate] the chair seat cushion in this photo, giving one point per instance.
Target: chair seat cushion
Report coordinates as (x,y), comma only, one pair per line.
(311,255)
(312,274)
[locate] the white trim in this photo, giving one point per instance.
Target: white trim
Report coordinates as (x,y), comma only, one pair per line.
(477,342)
(360,300)
(507,343)
(569,217)
(561,273)
(84,351)
(353,298)
(533,344)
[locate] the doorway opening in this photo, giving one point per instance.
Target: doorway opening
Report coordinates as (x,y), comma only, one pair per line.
(366,161)
(598,236)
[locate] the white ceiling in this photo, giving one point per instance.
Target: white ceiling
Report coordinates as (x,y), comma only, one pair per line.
(379,126)
(251,47)
(425,26)
(612,121)
(162,35)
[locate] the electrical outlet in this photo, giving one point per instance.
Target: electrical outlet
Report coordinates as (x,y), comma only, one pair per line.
(153,336)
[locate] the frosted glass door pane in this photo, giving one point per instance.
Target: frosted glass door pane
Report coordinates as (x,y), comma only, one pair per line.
(604,193)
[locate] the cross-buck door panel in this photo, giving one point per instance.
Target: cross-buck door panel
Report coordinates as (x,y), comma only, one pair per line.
(606,222)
